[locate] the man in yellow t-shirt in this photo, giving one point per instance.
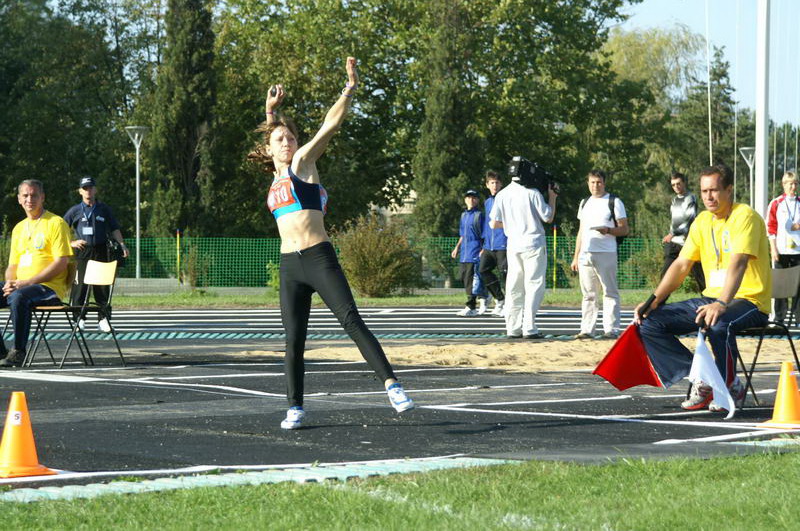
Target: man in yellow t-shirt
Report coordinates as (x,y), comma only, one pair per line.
(730,241)
(37,266)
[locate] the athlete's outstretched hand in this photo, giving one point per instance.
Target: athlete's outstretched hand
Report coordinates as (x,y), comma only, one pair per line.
(275,97)
(352,74)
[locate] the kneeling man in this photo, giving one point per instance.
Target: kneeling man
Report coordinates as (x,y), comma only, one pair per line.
(730,241)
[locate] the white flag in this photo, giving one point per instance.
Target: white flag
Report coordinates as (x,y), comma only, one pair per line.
(704,369)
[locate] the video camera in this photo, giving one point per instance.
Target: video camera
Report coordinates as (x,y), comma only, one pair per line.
(531,175)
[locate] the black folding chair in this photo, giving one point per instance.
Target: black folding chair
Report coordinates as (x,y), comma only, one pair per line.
(785,283)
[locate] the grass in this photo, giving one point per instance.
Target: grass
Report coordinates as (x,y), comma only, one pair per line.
(752,492)
(268,298)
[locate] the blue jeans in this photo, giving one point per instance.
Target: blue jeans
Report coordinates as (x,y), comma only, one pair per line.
(672,360)
(20,303)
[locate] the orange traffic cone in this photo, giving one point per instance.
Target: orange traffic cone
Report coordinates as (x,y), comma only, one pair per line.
(787,401)
(18,451)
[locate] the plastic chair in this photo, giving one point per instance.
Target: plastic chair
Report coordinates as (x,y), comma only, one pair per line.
(784,285)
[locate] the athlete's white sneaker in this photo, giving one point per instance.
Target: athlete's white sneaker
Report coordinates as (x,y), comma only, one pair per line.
(398,398)
(467,312)
(104,326)
(81,324)
(498,308)
(294,418)
(481,306)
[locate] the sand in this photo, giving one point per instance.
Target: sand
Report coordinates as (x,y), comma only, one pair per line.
(520,356)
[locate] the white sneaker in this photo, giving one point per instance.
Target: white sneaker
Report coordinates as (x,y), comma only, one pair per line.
(81,324)
(294,418)
(398,398)
(481,306)
(467,312)
(103,325)
(498,308)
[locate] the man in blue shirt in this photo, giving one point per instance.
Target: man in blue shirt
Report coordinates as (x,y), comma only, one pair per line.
(94,225)
(494,249)
(470,241)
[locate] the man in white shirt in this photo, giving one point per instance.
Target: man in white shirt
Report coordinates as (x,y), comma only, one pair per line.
(602,219)
(520,211)
(783,228)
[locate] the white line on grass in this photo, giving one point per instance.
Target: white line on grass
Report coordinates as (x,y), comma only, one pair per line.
(507,520)
(731,436)
(67,475)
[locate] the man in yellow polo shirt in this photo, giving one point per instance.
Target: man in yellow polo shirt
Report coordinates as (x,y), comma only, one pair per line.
(730,241)
(37,266)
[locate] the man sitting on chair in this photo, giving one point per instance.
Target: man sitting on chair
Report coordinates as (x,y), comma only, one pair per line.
(37,266)
(730,240)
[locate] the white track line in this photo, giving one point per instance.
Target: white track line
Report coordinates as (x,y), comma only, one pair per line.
(610,418)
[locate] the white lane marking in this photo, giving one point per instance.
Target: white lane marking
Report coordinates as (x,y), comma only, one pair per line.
(555,401)
(261,374)
(199,387)
(36,376)
(610,418)
(465,388)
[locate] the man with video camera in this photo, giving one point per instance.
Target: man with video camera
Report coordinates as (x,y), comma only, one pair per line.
(520,209)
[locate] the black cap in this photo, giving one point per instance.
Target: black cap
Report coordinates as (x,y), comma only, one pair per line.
(473,193)
(87,181)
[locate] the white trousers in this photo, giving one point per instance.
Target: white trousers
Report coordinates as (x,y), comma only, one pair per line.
(524,290)
(596,270)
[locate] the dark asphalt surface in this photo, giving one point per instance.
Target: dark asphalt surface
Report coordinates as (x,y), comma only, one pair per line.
(179,404)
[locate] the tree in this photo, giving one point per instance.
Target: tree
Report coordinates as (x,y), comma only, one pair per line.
(182,135)
(448,151)
(59,100)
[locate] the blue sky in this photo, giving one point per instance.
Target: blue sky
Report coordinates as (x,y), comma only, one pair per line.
(725,17)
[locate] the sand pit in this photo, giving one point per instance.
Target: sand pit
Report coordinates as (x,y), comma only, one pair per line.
(521,356)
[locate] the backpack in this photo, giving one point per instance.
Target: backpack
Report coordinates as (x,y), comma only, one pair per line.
(611,199)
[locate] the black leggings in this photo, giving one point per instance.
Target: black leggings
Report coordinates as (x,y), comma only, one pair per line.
(303,273)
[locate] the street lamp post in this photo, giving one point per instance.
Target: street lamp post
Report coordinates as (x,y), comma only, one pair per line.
(137,134)
(749,157)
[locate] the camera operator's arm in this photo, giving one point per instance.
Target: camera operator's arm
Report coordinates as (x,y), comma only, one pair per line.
(578,238)
(552,194)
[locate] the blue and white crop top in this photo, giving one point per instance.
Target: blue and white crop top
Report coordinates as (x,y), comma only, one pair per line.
(289,193)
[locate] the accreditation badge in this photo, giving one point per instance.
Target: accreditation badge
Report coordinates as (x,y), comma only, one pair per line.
(26,260)
(717,278)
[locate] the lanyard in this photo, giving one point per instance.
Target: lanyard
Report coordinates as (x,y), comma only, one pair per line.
(30,230)
(714,241)
(87,217)
(793,211)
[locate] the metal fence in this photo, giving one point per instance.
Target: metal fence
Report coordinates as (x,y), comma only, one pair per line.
(249,262)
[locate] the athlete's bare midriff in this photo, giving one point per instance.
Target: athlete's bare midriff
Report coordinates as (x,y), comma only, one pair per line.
(301,230)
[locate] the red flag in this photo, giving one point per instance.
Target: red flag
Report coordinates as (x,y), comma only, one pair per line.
(627,363)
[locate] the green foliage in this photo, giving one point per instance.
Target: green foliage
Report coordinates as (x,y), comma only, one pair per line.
(184,99)
(377,257)
(5,250)
(274,276)
(448,152)
(195,266)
